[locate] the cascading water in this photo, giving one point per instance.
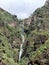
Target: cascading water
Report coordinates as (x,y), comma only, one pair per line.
(22,36)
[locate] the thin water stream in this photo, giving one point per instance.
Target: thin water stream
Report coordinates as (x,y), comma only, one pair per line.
(23,39)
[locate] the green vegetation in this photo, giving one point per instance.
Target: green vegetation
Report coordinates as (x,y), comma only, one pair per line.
(36,33)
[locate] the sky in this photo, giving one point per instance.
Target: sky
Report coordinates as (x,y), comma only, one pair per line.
(21,8)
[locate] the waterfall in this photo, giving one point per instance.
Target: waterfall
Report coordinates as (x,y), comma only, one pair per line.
(22,36)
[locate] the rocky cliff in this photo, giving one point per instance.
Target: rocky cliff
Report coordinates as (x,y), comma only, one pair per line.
(36,33)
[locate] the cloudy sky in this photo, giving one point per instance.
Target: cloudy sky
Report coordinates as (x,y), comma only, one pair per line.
(21,8)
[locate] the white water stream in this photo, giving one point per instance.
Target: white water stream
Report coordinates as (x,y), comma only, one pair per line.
(23,39)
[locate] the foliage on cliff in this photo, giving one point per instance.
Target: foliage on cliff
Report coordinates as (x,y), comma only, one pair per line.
(36,33)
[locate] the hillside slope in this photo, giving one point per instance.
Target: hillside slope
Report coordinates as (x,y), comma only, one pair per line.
(36,33)
(10,39)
